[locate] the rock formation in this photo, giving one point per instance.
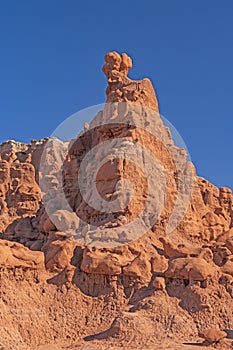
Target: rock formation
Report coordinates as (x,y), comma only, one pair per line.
(121,88)
(66,263)
(213,335)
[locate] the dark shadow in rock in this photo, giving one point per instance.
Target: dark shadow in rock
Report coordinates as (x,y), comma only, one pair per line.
(59,279)
(77,257)
(92,284)
(67,274)
(229,333)
(96,284)
(100,336)
(159,250)
(10,235)
(190,300)
(144,292)
(194,344)
(141,294)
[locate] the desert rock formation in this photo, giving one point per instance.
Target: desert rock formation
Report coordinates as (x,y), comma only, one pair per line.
(64,263)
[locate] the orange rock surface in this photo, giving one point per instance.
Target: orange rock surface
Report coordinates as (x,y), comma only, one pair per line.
(61,287)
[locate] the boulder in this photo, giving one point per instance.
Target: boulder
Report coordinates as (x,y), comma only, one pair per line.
(227,268)
(213,335)
(14,255)
(190,269)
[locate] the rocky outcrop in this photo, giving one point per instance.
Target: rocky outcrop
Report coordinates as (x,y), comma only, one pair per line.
(15,255)
(190,269)
(213,335)
(121,88)
(88,266)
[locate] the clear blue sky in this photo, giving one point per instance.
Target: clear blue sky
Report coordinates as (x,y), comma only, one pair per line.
(52,53)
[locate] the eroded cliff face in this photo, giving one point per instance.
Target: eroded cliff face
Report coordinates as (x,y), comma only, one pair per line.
(80,265)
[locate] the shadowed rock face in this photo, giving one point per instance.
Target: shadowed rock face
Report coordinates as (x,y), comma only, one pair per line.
(135,289)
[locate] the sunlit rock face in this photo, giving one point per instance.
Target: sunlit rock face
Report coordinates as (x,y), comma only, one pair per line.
(113,231)
(20,194)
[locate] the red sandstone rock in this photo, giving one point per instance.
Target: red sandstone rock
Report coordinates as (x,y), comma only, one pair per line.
(91,285)
(14,255)
(190,269)
(213,335)
(123,89)
(229,244)
(159,283)
(227,268)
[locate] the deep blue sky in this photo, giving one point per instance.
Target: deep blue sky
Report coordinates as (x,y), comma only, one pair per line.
(52,53)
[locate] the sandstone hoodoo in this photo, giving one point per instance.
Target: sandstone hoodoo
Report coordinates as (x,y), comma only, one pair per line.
(114,232)
(121,88)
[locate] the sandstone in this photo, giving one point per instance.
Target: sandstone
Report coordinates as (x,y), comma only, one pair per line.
(159,263)
(58,254)
(159,283)
(48,226)
(131,325)
(78,264)
(23,229)
(227,268)
(220,254)
(123,89)
(206,254)
(99,263)
(226,235)
(65,221)
(178,251)
(36,245)
(229,244)
(14,255)
(190,269)
(213,335)
(20,194)
(139,267)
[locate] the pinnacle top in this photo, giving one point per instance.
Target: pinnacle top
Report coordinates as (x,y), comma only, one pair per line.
(123,89)
(116,65)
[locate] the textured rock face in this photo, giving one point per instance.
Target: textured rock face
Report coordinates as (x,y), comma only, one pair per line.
(115,170)
(14,255)
(19,193)
(213,335)
(196,269)
(135,289)
(147,157)
(123,89)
